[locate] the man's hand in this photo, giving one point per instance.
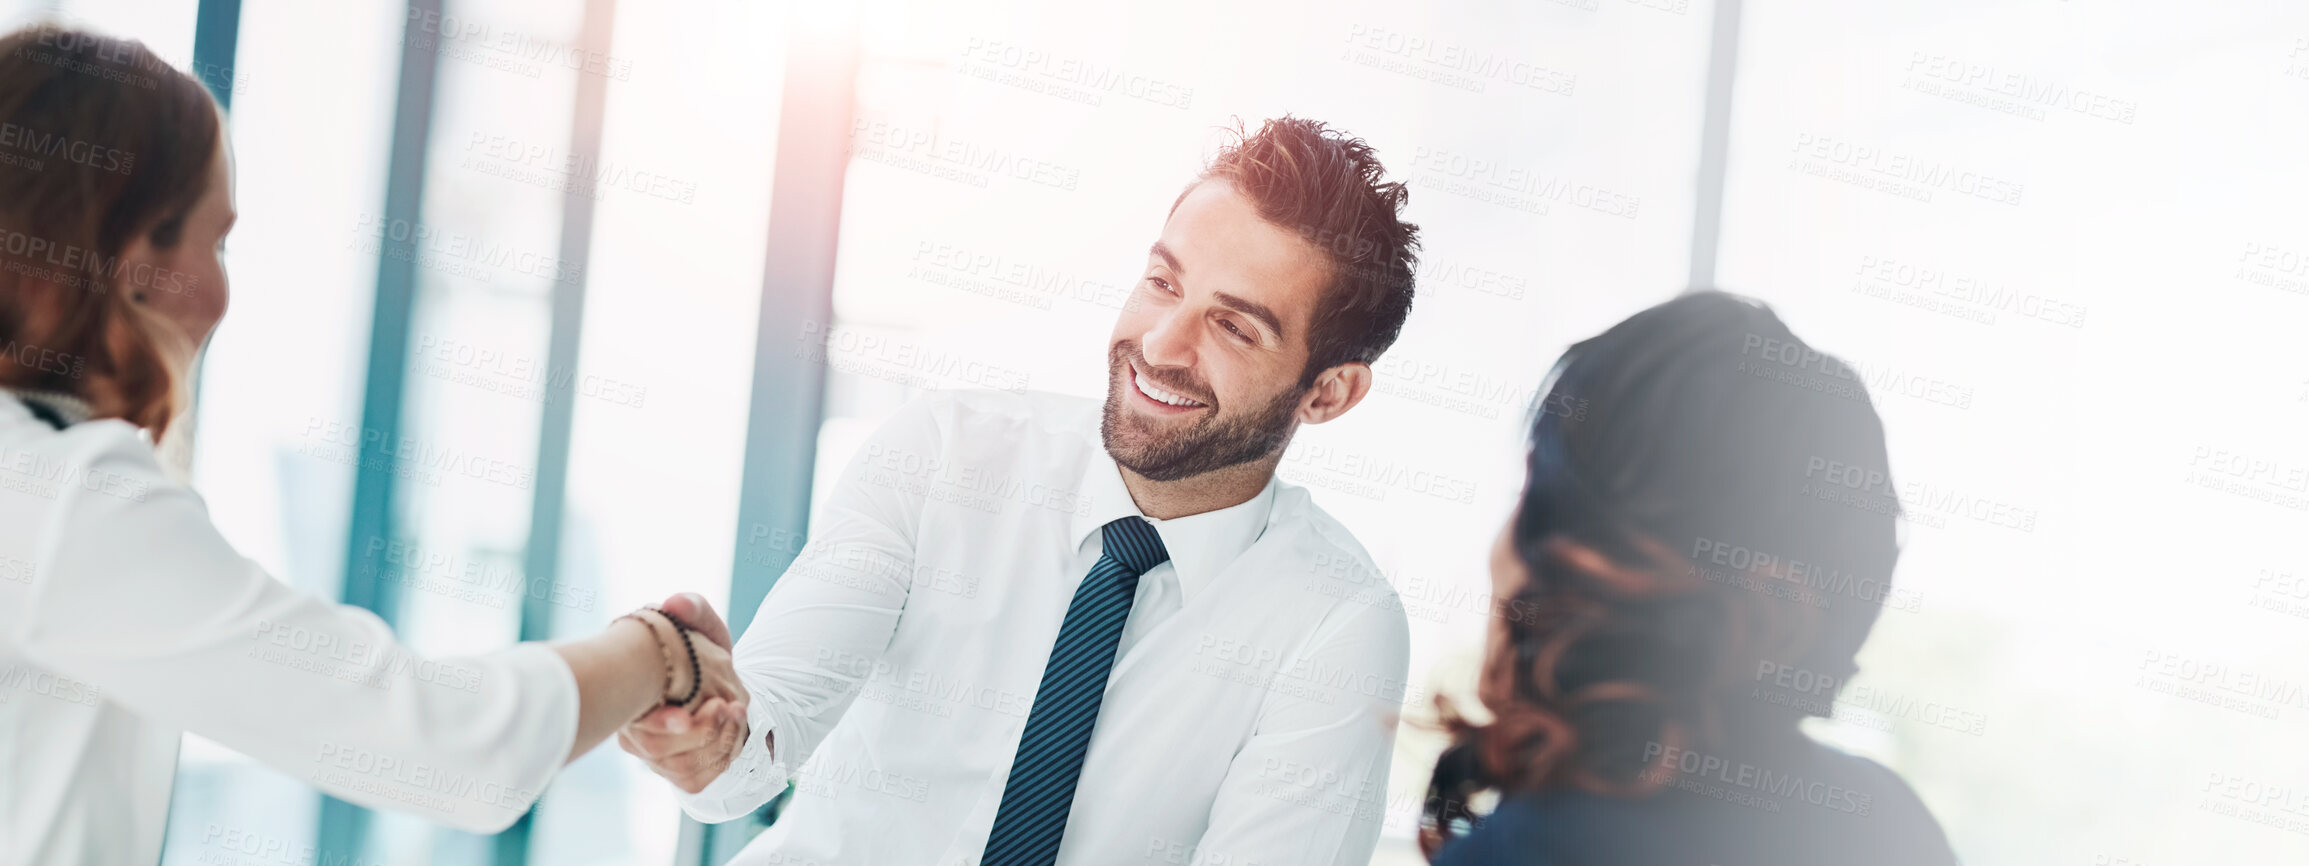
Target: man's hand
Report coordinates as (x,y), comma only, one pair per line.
(693,611)
(691,746)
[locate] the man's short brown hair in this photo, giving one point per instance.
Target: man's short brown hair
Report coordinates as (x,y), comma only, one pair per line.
(1326,186)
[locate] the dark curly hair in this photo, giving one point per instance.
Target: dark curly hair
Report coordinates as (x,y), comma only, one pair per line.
(1328,187)
(1707,495)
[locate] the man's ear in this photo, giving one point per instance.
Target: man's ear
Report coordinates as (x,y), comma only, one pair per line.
(1336,390)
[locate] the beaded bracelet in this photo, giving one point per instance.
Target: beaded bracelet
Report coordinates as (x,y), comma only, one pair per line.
(696,678)
(696,682)
(664,653)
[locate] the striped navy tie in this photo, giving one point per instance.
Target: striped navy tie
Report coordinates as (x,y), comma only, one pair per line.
(1040,792)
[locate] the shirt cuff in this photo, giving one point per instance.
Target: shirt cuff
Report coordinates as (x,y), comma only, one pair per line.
(750,780)
(556,707)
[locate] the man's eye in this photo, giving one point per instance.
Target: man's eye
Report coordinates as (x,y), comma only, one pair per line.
(1159,283)
(1238,332)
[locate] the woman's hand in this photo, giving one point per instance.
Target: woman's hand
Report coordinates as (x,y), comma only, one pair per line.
(691,746)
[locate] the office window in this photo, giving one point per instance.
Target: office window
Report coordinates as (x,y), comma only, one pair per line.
(279,420)
(674,277)
(673,285)
(498,176)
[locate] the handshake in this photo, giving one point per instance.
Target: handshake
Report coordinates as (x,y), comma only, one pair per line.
(690,745)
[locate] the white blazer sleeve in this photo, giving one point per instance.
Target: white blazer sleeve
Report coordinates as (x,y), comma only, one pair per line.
(827,621)
(133,590)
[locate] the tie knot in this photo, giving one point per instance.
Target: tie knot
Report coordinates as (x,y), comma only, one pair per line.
(1133,542)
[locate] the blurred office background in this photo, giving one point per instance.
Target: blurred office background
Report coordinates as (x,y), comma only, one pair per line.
(544,309)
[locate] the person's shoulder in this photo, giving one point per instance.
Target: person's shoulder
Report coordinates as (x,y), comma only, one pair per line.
(109,444)
(89,473)
(978,410)
(1891,806)
(961,423)
(1315,535)
(1336,562)
(1845,808)
(1554,827)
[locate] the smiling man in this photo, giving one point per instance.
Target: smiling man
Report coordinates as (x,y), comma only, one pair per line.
(1031,630)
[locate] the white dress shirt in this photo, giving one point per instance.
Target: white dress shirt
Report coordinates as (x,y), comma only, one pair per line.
(1249,717)
(125,620)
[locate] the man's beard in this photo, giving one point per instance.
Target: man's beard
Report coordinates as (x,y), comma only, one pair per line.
(1215,442)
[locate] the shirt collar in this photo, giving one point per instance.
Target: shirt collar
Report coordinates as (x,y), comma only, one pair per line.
(1201,545)
(65,407)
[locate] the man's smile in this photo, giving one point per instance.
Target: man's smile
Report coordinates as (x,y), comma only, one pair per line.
(1163,400)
